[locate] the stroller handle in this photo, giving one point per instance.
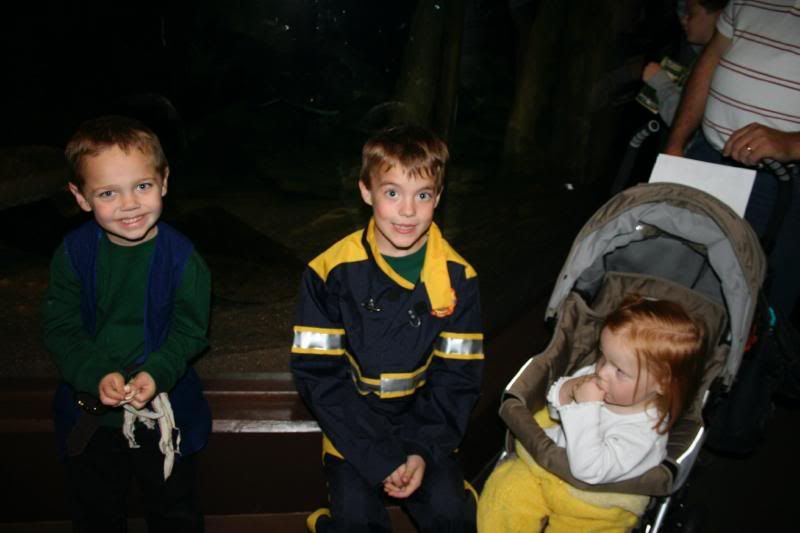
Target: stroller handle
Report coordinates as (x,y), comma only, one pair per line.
(624,172)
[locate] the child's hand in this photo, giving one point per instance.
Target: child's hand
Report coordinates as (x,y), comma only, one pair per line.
(111,389)
(567,392)
(589,391)
(650,70)
(143,388)
(394,481)
(406,479)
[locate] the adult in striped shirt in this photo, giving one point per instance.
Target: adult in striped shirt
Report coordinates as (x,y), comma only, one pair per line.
(745,92)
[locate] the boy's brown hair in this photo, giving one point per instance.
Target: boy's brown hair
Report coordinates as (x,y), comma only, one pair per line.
(96,135)
(418,150)
(669,344)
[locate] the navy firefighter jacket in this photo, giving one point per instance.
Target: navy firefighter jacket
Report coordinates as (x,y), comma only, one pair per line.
(388,368)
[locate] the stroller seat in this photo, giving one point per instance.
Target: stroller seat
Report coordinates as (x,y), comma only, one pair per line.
(574,345)
(660,240)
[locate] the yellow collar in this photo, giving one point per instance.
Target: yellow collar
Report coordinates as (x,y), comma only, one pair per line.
(434,270)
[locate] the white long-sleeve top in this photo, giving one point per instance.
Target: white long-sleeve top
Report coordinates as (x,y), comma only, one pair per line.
(603,446)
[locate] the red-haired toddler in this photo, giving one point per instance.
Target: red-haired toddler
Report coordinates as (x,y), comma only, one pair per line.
(613,418)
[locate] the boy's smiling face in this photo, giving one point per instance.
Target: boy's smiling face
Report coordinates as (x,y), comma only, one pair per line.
(125,191)
(402,206)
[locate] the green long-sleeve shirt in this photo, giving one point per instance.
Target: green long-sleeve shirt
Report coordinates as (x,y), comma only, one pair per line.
(119,337)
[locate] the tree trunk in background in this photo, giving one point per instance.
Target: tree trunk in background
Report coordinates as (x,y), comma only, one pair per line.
(419,77)
(586,43)
(589,78)
(536,79)
(447,98)
(623,69)
(562,122)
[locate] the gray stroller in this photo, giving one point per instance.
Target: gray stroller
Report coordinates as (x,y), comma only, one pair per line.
(665,241)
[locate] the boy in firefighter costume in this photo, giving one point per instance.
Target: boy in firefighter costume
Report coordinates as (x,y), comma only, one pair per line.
(388,349)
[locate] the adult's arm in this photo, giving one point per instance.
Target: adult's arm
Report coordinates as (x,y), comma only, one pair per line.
(693,104)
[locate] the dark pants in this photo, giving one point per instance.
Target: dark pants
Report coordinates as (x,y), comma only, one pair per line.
(440,505)
(98,481)
(783,282)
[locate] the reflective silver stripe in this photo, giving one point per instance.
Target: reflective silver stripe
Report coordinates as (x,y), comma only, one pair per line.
(390,385)
(459,346)
(313,340)
(401,384)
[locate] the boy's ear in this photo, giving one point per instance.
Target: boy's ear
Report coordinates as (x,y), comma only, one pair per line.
(436,200)
(164,182)
(366,194)
(76,192)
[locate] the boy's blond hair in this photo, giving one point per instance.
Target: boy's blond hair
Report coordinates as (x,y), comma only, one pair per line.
(669,344)
(418,150)
(96,135)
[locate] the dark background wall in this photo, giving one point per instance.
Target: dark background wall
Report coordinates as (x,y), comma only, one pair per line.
(279,73)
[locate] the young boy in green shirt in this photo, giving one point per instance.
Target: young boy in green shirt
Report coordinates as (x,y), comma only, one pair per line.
(126,309)
(388,349)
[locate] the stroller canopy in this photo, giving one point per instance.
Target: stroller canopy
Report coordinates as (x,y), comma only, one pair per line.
(677,233)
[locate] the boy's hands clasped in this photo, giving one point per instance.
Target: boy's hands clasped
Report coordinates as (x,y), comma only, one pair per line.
(406,478)
(113,390)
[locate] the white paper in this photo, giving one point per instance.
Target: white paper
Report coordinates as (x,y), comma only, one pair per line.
(732,185)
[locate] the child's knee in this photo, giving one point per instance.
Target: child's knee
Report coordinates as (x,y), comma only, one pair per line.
(508,501)
(496,516)
(445,504)
(509,479)
(350,513)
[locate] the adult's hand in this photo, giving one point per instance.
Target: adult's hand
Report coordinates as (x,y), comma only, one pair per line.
(754,142)
(650,70)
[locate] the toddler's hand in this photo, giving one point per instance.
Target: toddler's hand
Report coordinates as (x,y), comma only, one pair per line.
(143,388)
(111,389)
(589,391)
(567,392)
